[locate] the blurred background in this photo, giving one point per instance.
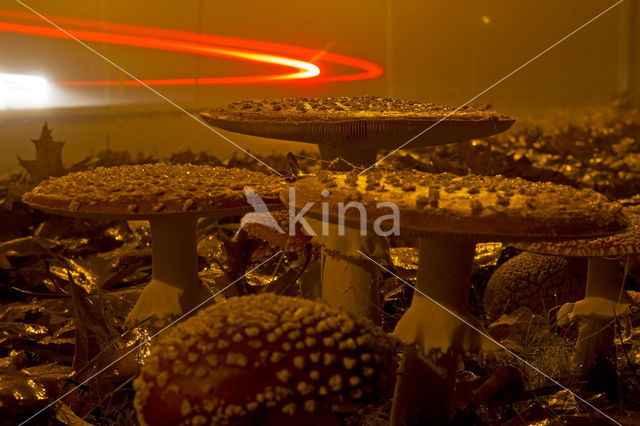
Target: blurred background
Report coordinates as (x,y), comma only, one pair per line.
(442,51)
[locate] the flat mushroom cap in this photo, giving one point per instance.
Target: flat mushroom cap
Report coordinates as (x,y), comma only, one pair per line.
(366,122)
(624,243)
(248,356)
(259,226)
(473,208)
(143,191)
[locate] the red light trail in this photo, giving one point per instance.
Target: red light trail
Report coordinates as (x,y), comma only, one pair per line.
(302,64)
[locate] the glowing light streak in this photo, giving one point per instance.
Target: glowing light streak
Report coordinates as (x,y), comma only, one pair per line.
(22,91)
(308,70)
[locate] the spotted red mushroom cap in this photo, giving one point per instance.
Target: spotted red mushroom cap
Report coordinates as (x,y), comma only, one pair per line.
(240,360)
(357,122)
(273,227)
(535,281)
(142,191)
(475,208)
(623,243)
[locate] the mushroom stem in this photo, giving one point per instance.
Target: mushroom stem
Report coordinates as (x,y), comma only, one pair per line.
(450,262)
(175,287)
(360,157)
(348,281)
(425,389)
(595,349)
(603,278)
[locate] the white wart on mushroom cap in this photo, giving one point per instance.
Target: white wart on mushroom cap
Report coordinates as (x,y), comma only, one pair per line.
(171,197)
(365,122)
(449,214)
(253,358)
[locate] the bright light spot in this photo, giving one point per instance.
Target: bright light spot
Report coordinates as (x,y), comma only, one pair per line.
(21,91)
(486,20)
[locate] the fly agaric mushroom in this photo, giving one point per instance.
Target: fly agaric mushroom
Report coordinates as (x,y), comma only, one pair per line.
(449,214)
(604,298)
(354,129)
(265,360)
(535,281)
(172,198)
(273,227)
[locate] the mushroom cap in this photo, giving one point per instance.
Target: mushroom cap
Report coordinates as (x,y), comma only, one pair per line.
(535,281)
(473,208)
(623,243)
(239,360)
(366,122)
(144,191)
(258,225)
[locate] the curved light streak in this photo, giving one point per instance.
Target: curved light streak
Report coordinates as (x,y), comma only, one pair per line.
(200,44)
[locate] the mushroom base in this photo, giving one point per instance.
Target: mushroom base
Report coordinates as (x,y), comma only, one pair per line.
(438,324)
(412,406)
(175,287)
(162,303)
(595,348)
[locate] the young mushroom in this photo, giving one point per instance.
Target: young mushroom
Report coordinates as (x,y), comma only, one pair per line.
(273,228)
(535,281)
(172,198)
(265,360)
(354,129)
(604,298)
(450,214)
